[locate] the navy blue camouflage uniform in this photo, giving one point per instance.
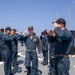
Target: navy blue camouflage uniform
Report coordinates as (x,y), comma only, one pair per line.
(51,56)
(45,49)
(63,41)
(14,48)
(31,53)
(6,53)
(1,47)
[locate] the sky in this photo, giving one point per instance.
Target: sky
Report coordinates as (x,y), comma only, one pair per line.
(40,14)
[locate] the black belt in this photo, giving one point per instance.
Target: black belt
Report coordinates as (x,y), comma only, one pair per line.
(30,50)
(60,55)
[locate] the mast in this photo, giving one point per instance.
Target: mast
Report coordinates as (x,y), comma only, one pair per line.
(57,14)
(69,18)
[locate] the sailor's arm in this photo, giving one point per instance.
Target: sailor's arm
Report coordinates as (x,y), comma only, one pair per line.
(38,45)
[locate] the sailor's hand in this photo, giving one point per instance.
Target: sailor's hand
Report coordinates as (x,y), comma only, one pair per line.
(38,55)
(12,32)
(53,57)
(24,32)
(51,33)
(55,25)
(54,34)
(16,32)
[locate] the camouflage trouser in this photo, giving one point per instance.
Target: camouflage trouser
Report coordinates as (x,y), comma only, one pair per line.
(0,56)
(6,57)
(31,57)
(62,65)
(52,64)
(14,55)
(45,55)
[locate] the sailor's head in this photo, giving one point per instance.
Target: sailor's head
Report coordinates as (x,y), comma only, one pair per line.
(13,31)
(60,22)
(2,30)
(30,29)
(8,30)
